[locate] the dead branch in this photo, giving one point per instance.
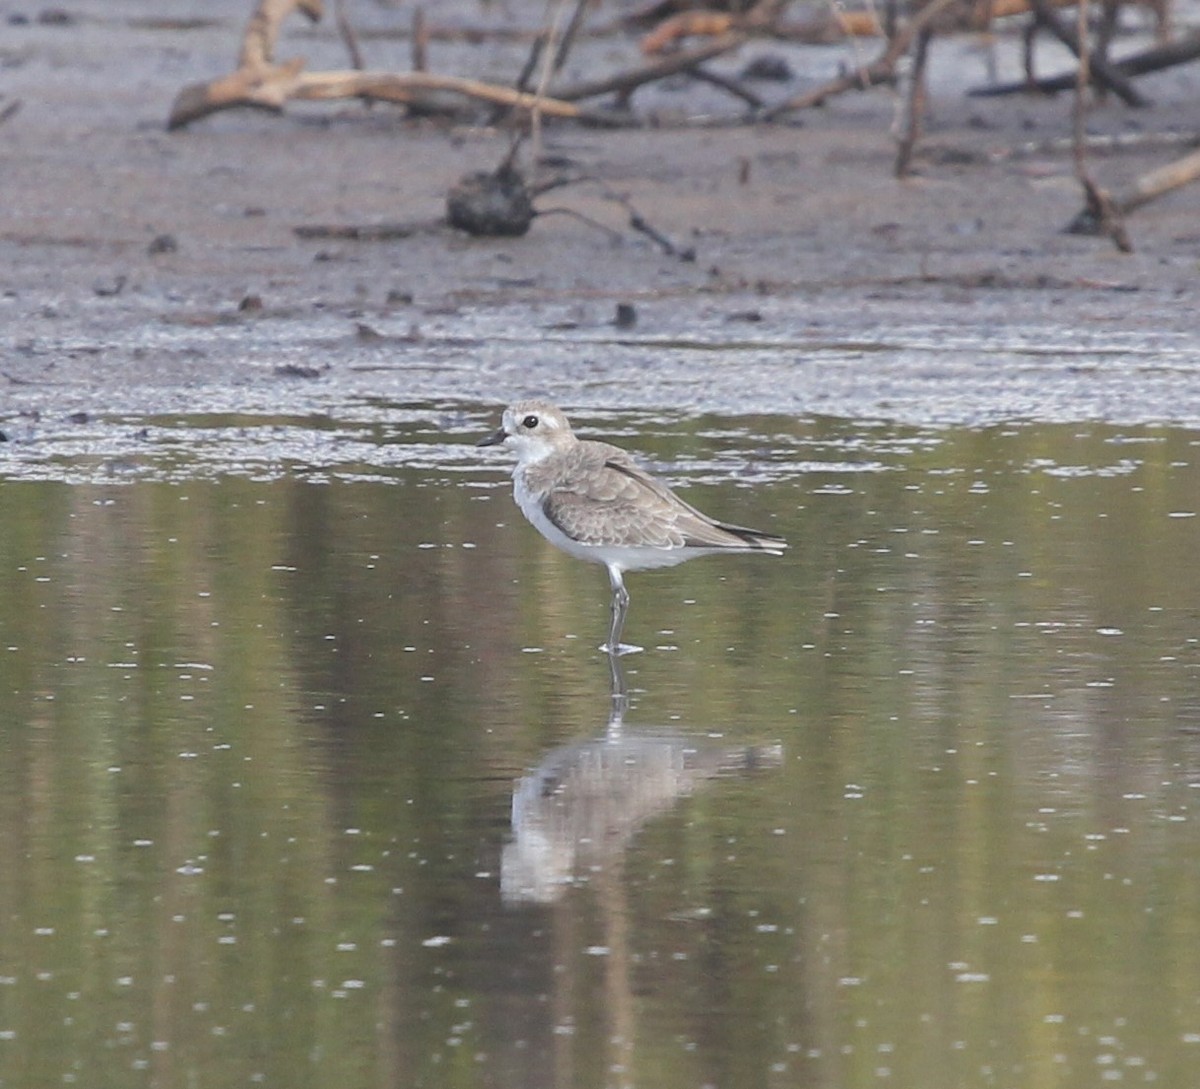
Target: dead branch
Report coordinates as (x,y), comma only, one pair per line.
(271,89)
(526,74)
(1160,181)
(1100,215)
(1148,187)
(824,26)
(760,18)
(420,40)
(731,86)
(1098,204)
(1153,59)
(915,107)
(626,82)
(615,237)
(574,24)
(258,81)
(880,70)
(346,31)
(409,87)
(264,88)
(687,24)
(262,31)
(531,62)
(638,223)
(1100,71)
(262,83)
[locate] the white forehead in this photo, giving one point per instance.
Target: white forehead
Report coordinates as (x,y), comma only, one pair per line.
(548,417)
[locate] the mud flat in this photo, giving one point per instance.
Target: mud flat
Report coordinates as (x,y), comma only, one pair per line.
(150,274)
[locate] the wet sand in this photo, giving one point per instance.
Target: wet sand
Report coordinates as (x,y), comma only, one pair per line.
(148,272)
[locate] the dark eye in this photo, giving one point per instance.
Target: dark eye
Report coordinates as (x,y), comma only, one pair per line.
(530,422)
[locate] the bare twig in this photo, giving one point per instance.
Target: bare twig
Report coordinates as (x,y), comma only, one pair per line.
(880,70)
(627,82)
(262,32)
(1148,60)
(1100,216)
(1098,203)
(420,40)
(1155,183)
(568,36)
(1096,215)
(1100,71)
(916,105)
(615,237)
(1078,103)
(525,75)
(548,56)
(346,31)
(665,244)
(638,223)
(531,62)
(732,86)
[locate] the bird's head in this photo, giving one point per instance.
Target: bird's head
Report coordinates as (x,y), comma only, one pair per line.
(531,428)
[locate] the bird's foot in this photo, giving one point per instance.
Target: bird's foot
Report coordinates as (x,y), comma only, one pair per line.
(622,648)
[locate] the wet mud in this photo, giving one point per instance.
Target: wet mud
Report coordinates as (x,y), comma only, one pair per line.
(257,267)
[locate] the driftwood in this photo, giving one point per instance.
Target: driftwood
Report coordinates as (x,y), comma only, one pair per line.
(288,81)
(261,82)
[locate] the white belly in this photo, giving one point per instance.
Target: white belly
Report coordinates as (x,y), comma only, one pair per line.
(622,557)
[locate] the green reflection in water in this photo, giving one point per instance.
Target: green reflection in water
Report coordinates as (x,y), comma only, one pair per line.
(260,742)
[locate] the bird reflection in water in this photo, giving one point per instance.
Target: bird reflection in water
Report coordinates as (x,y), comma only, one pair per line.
(575,814)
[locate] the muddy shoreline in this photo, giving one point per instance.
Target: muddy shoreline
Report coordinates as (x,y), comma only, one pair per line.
(148,274)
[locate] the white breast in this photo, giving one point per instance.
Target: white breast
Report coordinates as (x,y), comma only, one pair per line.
(623,557)
(530,503)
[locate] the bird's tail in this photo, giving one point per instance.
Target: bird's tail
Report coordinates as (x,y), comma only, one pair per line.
(756,539)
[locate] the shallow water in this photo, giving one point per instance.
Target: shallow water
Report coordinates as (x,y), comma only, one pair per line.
(308,775)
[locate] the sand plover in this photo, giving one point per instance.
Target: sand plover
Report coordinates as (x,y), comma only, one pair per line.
(591,500)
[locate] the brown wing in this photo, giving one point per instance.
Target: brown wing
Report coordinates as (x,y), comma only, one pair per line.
(603,498)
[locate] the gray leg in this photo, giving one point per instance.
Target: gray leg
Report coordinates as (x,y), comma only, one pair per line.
(620,605)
